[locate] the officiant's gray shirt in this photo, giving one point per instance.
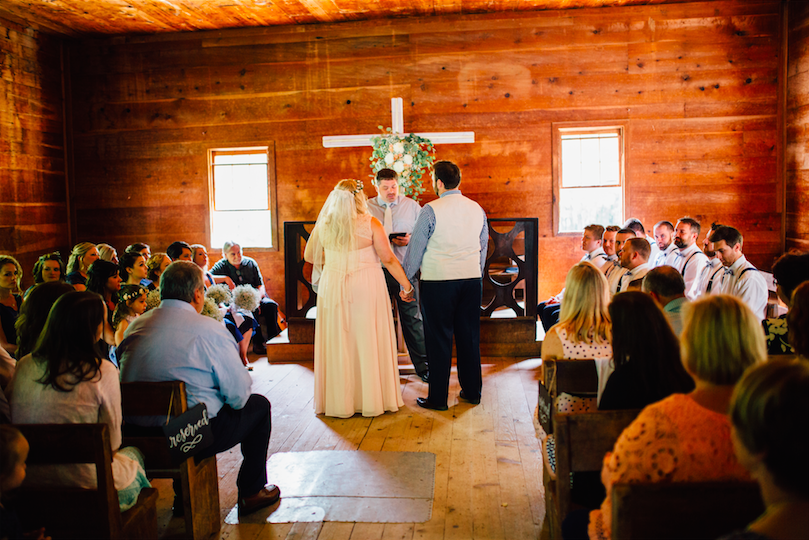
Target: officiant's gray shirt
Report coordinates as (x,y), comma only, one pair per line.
(404,212)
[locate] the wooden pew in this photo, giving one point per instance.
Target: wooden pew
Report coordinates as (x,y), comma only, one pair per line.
(576,377)
(683,510)
(198,481)
(582,439)
(76,512)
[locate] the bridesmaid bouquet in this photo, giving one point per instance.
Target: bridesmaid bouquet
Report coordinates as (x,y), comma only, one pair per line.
(246,298)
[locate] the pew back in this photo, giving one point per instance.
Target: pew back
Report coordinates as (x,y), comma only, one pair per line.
(683,510)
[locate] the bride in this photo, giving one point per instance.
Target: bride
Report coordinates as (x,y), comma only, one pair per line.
(356,365)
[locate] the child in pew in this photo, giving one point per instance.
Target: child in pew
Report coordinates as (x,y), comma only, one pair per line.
(13,453)
(131,305)
(65,380)
(685,437)
(770,414)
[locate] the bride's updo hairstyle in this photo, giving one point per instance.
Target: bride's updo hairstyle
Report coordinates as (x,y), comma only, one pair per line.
(360,201)
(336,220)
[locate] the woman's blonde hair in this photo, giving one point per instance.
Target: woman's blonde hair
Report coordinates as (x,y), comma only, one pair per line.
(74,262)
(721,338)
(153,266)
(584,312)
(336,219)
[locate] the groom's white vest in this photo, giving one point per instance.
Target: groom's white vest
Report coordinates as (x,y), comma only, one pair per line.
(453,251)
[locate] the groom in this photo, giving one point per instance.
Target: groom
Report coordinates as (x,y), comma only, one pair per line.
(449,244)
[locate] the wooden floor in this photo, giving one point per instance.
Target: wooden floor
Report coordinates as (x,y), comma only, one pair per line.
(488,479)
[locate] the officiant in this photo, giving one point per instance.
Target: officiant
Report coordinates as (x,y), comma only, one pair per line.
(398,215)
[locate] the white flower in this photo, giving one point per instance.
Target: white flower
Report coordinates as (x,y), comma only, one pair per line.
(398,148)
(408,159)
(220,294)
(389,159)
(398,167)
(246,297)
(210,309)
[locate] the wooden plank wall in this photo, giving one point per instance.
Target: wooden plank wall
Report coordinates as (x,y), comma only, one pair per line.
(33,197)
(698,83)
(797,150)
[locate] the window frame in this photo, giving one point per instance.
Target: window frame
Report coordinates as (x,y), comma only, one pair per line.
(269,148)
(572,128)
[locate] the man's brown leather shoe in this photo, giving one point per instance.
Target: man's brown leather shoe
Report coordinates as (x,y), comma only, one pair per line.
(266,497)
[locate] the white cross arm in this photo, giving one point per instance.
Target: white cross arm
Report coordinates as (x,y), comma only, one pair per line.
(346,141)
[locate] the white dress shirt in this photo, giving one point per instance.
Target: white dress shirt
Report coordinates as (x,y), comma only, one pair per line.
(631,275)
(614,274)
(710,278)
(663,256)
(597,257)
(655,250)
(690,262)
(404,212)
(745,282)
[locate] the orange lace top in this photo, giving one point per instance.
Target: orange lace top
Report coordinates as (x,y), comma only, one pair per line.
(674,440)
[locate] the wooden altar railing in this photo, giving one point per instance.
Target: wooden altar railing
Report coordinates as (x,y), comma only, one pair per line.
(510,265)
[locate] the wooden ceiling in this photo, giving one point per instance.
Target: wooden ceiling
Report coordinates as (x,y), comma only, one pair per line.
(95,18)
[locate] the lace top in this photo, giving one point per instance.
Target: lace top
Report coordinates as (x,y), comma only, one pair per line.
(674,440)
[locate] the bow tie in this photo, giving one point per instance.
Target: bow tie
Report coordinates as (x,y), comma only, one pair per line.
(679,253)
(728,271)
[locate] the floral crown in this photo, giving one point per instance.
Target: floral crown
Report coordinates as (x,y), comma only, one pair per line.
(131,295)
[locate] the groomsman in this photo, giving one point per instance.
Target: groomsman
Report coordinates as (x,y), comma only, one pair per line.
(449,244)
(398,215)
(741,279)
(688,259)
(710,278)
(664,236)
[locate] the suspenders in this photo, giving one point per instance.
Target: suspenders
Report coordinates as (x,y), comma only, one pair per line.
(713,276)
(686,263)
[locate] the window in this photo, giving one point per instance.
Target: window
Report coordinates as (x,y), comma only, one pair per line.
(242,197)
(588,174)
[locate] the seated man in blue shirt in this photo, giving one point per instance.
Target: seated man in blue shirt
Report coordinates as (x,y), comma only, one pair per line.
(173,342)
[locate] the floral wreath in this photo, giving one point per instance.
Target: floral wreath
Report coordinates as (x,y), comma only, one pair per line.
(408,155)
(126,297)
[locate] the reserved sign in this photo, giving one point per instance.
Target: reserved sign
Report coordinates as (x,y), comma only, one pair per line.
(189,433)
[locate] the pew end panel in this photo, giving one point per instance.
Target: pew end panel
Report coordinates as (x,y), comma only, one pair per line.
(78,512)
(199,482)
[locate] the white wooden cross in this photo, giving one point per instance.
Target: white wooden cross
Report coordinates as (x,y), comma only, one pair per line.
(397,125)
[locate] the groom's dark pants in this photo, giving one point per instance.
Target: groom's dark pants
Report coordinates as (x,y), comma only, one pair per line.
(447,308)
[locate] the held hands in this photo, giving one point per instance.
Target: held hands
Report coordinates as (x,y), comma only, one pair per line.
(407,296)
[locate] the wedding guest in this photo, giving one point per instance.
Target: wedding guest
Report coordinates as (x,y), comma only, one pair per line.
(65,381)
(789,271)
(690,433)
(133,271)
(201,259)
(244,270)
(10,301)
(139,247)
(156,265)
(107,253)
(646,354)
(179,251)
(798,321)
(131,305)
(103,279)
(49,267)
(769,413)
(584,330)
(34,313)
(81,257)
